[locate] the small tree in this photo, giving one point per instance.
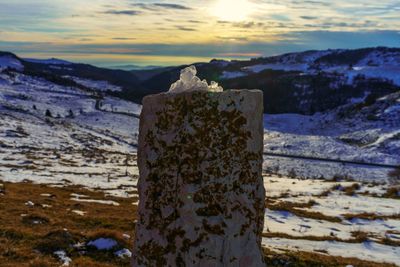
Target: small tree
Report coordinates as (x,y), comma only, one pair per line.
(292,174)
(48,113)
(71,114)
(394,177)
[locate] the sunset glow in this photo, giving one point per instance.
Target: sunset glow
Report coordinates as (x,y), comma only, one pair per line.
(228,10)
(192,29)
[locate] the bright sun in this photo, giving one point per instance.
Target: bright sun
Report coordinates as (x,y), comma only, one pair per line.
(228,10)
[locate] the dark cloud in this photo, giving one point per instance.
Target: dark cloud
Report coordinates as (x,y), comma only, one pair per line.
(150,7)
(123,12)
(195,21)
(187,29)
(287,42)
(160,6)
(243,25)
(123,38)
(163,29)
(326,25)
(172,6)
(248,25)
(308,17)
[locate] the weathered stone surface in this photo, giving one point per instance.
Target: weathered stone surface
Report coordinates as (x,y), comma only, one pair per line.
(201,189)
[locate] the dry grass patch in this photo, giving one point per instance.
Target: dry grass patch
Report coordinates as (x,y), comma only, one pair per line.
(347,190)
(30,234)
(309,259)
(370,216)
(351,190)
(27,244)
(298,210)
(358,237)
(394,176)
(392,192)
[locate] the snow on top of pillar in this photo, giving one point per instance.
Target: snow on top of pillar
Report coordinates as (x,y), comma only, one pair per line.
(190,82)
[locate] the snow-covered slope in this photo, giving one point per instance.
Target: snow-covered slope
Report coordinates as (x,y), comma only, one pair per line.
(10,62)
(304,82)
(50,61)
(68,116)
(373,63)
(72,135)
(354,132)
(60,135)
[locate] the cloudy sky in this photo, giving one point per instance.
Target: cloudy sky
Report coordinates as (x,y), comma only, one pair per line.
(121,32)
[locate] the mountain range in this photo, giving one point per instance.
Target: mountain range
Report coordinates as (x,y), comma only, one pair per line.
(304,83)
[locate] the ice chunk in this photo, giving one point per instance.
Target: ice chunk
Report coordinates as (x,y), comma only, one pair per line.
(62,256)
(190,82)
(123,253)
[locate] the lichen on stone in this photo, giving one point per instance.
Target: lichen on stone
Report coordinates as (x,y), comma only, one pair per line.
(202,198)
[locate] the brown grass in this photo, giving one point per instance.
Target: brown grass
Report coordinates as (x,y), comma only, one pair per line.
(318,259)
(297,209)
(351,190)
(394,176)
(358,237)
(370,216)
(341,178)
(31,239)
(347,190)
(26,244)
(392,192)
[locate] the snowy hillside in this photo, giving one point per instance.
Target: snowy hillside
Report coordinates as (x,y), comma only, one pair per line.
(8,61)
(365,130)
(371,63)
(353,132)
(66,130)
(305,82)
(57,134)
(51,61)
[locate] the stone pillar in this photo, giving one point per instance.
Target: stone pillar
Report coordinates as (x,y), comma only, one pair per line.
(201,188)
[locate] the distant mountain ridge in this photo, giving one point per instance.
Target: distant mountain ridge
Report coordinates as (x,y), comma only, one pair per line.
(304,82)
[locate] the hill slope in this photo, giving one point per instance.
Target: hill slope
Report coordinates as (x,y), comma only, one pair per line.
(305,83)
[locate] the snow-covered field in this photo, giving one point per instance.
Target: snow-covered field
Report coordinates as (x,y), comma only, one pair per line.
(336,233)
(350,137)
(79,144)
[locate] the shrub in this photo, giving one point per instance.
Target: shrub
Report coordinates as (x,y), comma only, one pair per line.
(48,113)
(394,176)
